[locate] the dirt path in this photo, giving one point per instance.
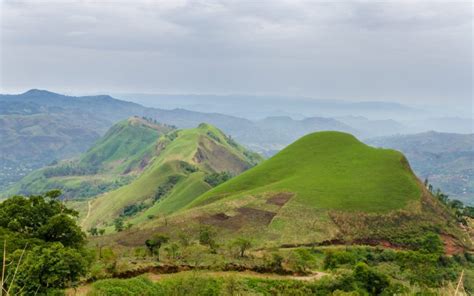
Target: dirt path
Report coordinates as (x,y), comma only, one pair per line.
(156,277)
(313,276)
(89,206)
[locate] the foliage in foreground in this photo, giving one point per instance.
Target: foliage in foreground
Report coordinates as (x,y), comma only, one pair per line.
(363,281)
(44,247)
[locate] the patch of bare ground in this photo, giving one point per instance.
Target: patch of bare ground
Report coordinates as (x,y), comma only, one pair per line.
(388,229)
(218,157)
(81,290)
(340,242)
(451,246)
(244,216)
(280,199)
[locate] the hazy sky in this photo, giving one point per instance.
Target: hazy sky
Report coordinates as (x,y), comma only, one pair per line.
(404,51)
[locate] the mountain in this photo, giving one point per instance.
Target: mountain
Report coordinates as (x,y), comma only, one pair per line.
(325,188)
(185,164)
(256,107)
(374,128)
(33,141)
(39,127)
(113,160)
(445,159)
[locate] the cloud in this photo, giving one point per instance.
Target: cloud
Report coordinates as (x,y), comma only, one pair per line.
(400,50)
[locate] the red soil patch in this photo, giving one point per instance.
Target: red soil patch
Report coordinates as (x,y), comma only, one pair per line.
(451,247)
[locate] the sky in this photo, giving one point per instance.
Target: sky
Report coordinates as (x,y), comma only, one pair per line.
(405,51)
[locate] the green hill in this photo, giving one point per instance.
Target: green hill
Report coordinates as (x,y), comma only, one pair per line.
(113,161)
(445,159)
(325,188)
(330,170)
(184,164)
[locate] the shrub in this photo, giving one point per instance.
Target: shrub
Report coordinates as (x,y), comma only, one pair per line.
(217,178)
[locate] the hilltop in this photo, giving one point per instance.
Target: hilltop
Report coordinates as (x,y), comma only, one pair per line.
(325,188)
(112,161)
(186,163)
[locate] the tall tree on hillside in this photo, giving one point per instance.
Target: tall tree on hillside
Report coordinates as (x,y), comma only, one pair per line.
(154,244)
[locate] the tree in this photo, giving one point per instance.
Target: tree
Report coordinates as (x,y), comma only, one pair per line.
(369,279)
(242,244)
(154,244)
(101,231)
(93,231)
(206,235)
(26,215)
(39,232)
(431,244)
(184,239)
(54,266)
(172,251)
(61,228)
(118,224)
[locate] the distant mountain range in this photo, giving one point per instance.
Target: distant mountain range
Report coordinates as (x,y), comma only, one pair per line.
(39,127)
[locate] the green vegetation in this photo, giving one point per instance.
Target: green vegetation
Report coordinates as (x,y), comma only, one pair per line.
(342,271)
(174,177)
(329,170)
(217,178)
(446,159)
(111,163)
(43,246)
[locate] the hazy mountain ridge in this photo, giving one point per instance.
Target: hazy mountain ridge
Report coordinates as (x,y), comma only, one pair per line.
(69,126)
(112,161)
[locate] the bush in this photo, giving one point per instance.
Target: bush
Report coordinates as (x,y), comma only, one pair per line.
(130,287)
(217,178)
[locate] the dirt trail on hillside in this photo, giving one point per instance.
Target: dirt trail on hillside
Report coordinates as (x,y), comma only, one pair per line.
(89,207)
(156,277)
(313,276)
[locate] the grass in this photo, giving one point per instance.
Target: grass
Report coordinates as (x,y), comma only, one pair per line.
(112,162)
(329,187)
(329,170)
(174,151)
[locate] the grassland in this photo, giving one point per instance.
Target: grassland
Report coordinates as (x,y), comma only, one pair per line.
(329,170)
(184,156)
(110,163)
(325,188)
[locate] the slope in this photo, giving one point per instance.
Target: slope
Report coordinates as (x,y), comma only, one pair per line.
(113,161)
(330,170)
(325,188)
(446,159)
(175,176)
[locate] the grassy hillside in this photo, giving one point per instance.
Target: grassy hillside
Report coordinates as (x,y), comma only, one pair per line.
(112,162)
(329,170)
(447,160)
(174,177)
(326,188)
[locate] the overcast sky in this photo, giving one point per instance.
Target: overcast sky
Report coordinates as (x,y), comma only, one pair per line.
(404,51)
